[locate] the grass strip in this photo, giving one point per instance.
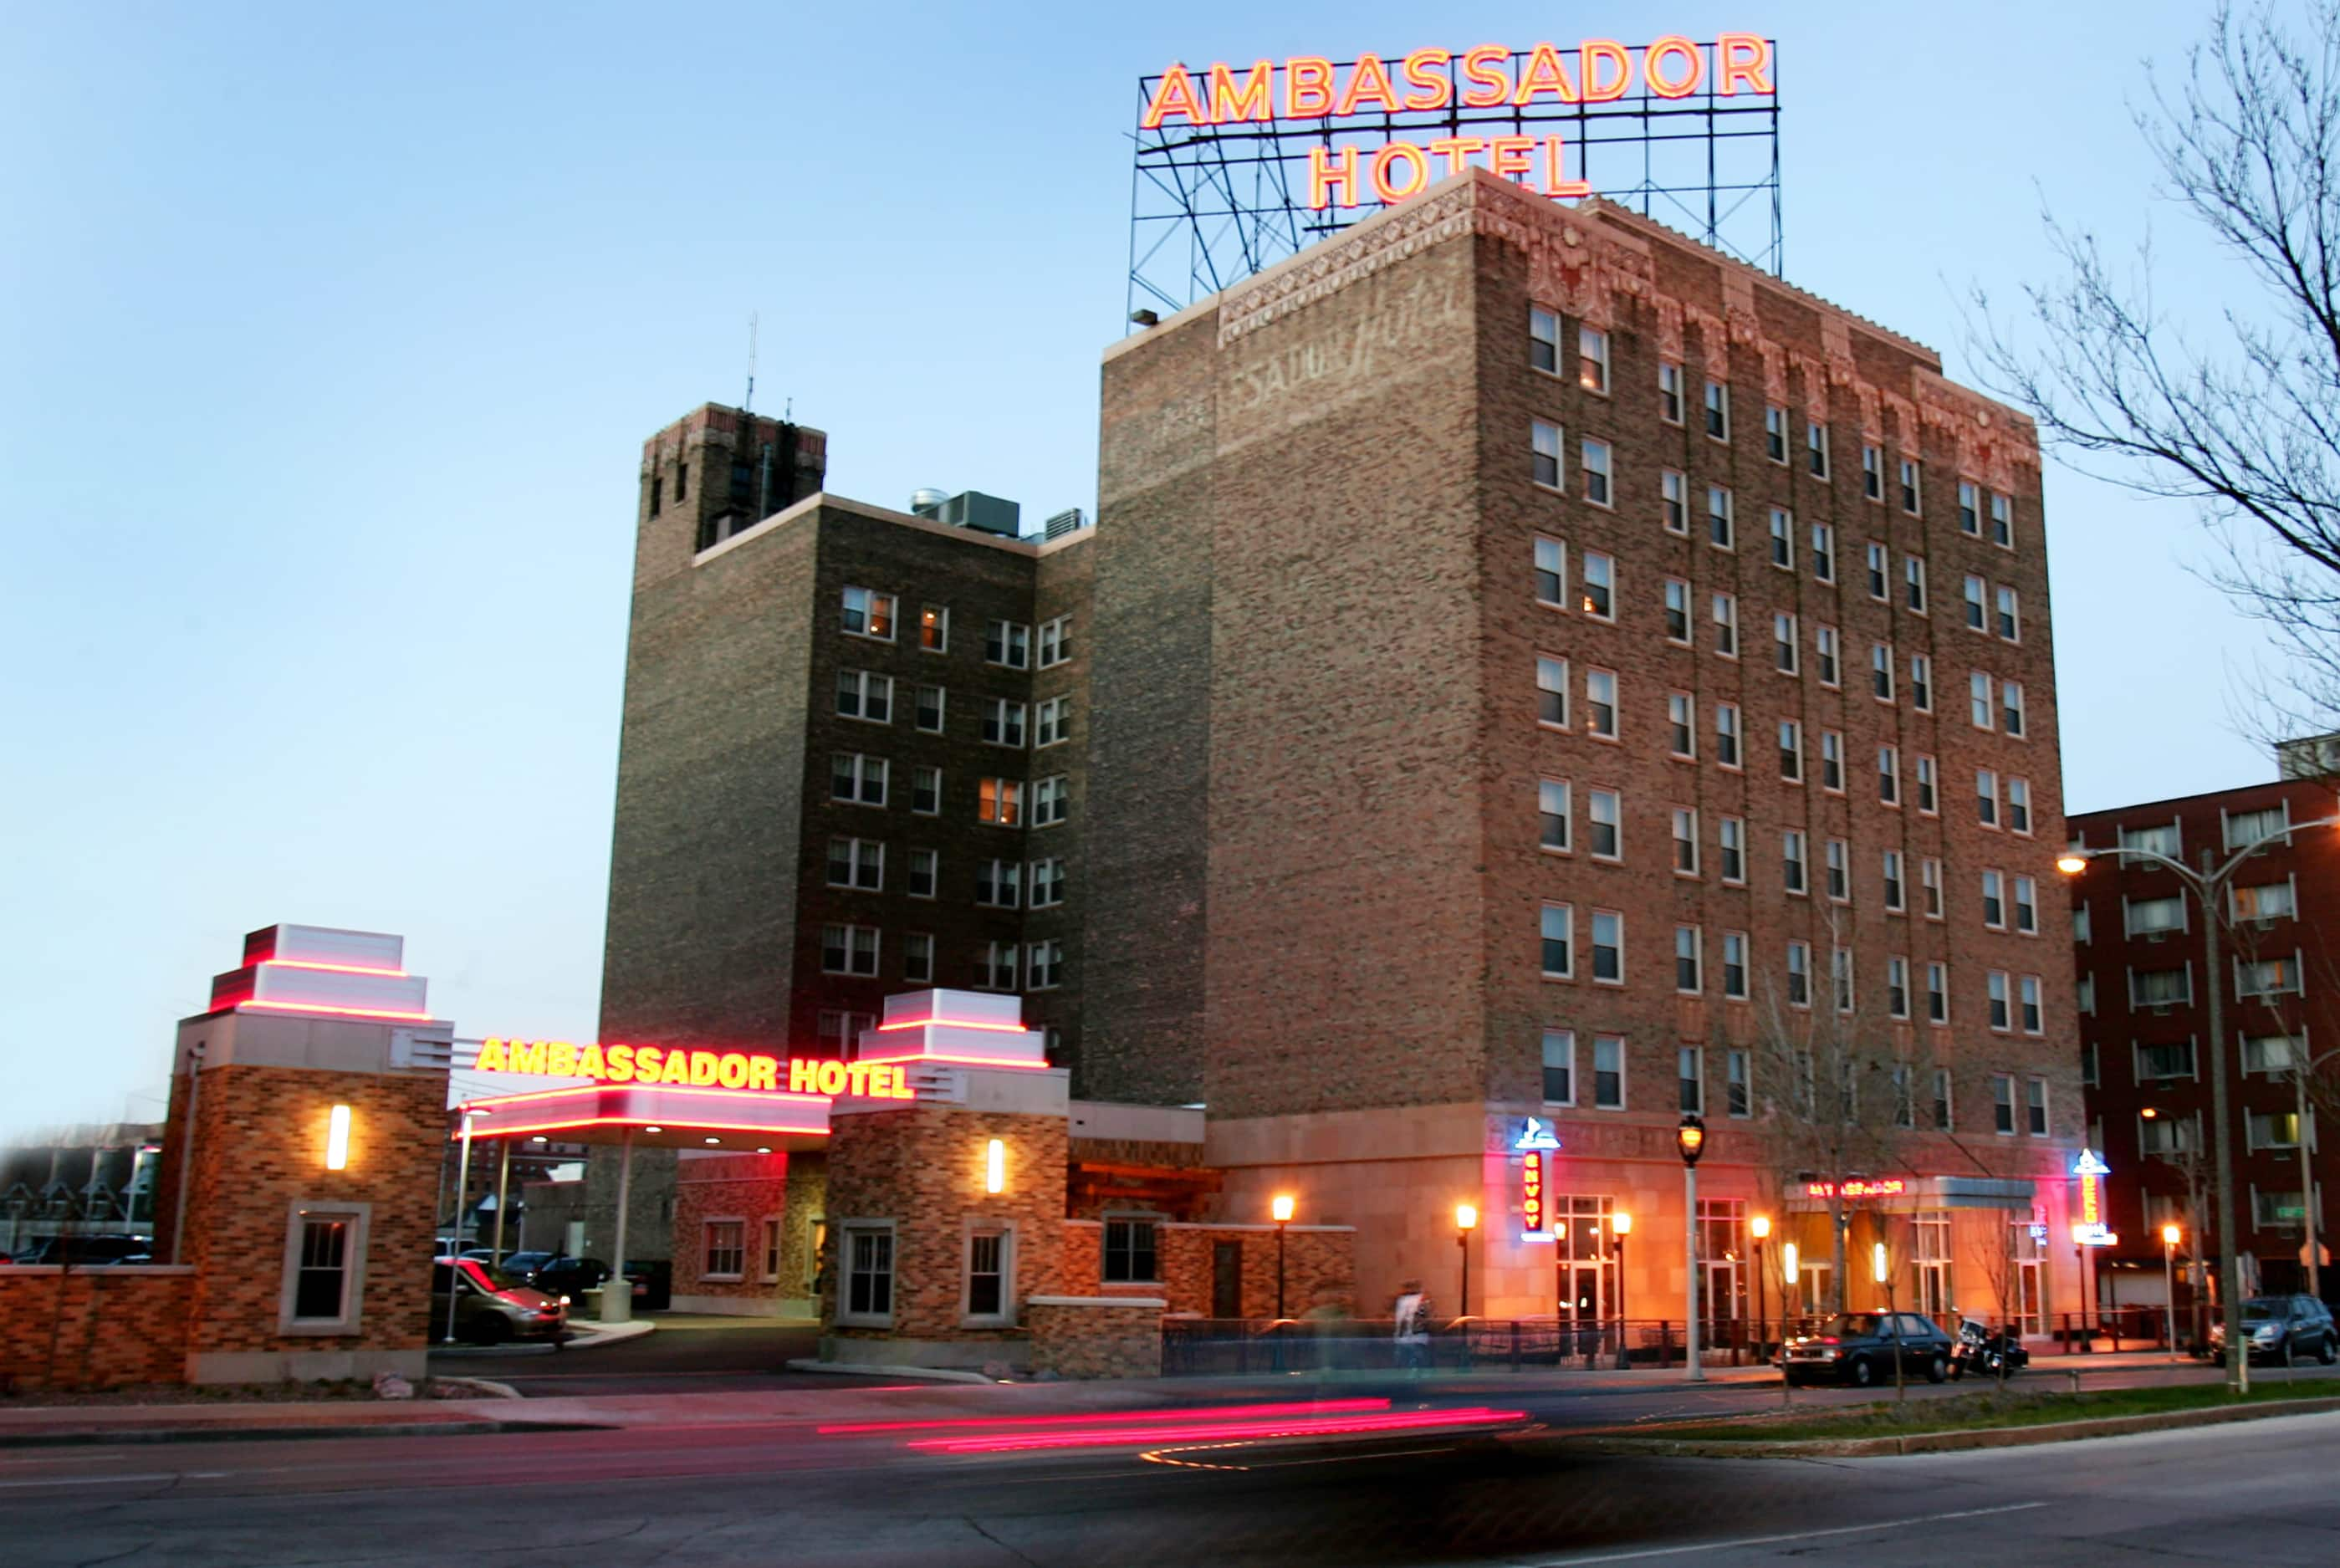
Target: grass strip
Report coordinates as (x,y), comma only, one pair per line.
(1985,1409)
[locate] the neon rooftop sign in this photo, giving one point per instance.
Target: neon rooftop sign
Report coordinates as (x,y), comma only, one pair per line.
(1882,1186)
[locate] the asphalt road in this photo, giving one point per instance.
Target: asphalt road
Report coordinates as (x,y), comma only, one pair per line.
(784,1492)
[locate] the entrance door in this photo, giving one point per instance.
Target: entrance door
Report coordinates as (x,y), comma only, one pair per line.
(1226,1279)
(2027,1284)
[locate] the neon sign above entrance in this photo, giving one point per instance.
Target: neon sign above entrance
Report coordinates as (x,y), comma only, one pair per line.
(684,1067)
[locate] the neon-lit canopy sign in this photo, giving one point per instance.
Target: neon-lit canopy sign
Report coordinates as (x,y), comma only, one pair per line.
(2088,1229)
(1883,1187)
(689,1068)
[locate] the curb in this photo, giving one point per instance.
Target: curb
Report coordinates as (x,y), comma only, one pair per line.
(1952,1442)
(88,1438)
(886,1369)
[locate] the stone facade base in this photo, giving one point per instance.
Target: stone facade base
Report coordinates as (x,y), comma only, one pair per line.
(781,1306)
(1095,1336)
(950,1354)
(304,1366)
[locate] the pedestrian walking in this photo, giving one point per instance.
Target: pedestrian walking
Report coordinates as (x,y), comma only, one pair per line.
(1410,1326)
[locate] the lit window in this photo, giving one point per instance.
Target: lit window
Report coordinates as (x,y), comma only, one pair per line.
(1000,801)
(1600,600)
(869,613)
(1593,359)
(934,628)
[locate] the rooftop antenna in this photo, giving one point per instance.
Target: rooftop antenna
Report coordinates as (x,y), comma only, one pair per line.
(748,406)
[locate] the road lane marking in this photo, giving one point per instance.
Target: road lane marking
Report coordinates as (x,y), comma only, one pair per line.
(92,1479)
(1746,1540)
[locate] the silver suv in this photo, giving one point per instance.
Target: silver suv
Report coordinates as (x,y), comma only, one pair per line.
(2283,1328)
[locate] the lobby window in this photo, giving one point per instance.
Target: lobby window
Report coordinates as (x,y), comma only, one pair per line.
(1783,641)
(1052,801)
(918,957)
(2026,905)
(987,1274)
(1792,750)
(1775,432)
(1823,539)
(1003,723)
(1722,530)
(1129,1252)
(2002,521)
(1897,986)
(1560,1067)
(1608,1072)
(1596,459)
(856,863)
(1552,815)
(1921,682)
(1872,472)
(1978,594)
(1726,625)
(1000,801)
(1910,485)
(1690,961)
(1543,340)
(1734,965)
(1987,797)
(1044,966)
(1046,883)
(1008,643)
(1978,700)
(867,1299)
(1828,652)
(998,884)
(926,710)
(2002,1014)
(1601,703)
(848,950)
(1970,508)
(1835,855)
(1052,721)
(1879,563)
(1994,906)
(996,969)
(1559,950)
(1913,581)
(1670,391)
(2007,609)
(1726,734)
(869,613)
(1938,993)
(861,694)
(321,1288)
(934,628)
(725,1249)
(1552,692)
(1799,974)
(1681,724)
(1551,572)
(1673,491)
(1718,410)
(1792,861)
(2035,1106)
(1929,878)
(1783,539)
(1593,359)
(1690,1071)
(2019,806)
(1605,810)
(925,873)
(2027,992)
(1055,641)
(1743,1096)
(1608,947)
(1543,453)
(1677,611)
(926,792)
(1893,883)
(1685,822)
(1888,775)
(1731,839)
(857,778)
(2010,705)
(1600,600)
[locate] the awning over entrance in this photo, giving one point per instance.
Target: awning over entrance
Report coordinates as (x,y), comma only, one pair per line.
(736,1119)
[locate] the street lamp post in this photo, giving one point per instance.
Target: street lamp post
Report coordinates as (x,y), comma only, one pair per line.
(2209,887)
(1760,1227)
(2169,1287)
(1691,1138)
(2299,1074)
(1620,1225)
(1466,1220)
(1281,1207)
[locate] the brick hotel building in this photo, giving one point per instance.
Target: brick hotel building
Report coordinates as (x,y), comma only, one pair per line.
(1519,648)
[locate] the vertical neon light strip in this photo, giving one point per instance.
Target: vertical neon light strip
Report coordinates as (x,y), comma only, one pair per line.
(1532,1193)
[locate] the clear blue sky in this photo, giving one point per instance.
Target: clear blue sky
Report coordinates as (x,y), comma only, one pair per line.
(331,334)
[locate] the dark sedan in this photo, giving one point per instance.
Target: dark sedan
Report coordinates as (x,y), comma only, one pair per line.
(1860,1347)
(568,1276)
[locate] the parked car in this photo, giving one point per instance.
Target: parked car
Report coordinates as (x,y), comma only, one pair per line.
(87,1251)
(561,1275)
(525,1264)
(2283,1328)
(1858,1348)
(653,1280)
(490,1306)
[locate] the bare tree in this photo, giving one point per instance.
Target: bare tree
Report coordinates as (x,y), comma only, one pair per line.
(2239,415)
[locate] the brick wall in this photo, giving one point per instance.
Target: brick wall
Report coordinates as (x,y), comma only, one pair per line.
(1319,1264)
(749,1188)
(104,1328)
(1073,1339)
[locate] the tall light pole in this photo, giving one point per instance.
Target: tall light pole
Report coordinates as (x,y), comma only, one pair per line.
(2169,1287)
(462,1186)
(2299,1074)
(2209,887)
(1620,1225)
(1760,1228)
(1281,1207)
(1466,1220)
(1691,1138)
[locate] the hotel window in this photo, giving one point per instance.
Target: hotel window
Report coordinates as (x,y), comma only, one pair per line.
(1840,968)
(1047,883)
(2026,905)
(1721,528)
(1000,801)
(1593,359)
(869,1294)
(1826,645)
(1987,797)
(1879,563)
(1003,723)
(918,957)
(934,628)
(1600,600)
(1601,702)
(1052,801)
(1677,611)
(861,694)
(1784,640)
(1880,671)
(1823,553)
(1938,993)
(1603,808)
(855,777)
(1052,721)
(1008,643)
(1560,1067)
(2268,1054)
(1596,459)
(1726,734)
(1832,761)
(926,871)
(1979,699)
(1670,391)
(1929,878)
(2019,806)
(1893,881)
(1044,966)
(1897,986)
(2035,1105)
(988,1266)
(926,792)
(1726,625)
(1129,1252)
(1673,490)
(1608,1072)
(1783,539)
(1558,927)
(869,613)
(1608,947)
(2274,1130)
(1994,903)
(1792,750)
(323,1288)
(2160,987)
(1545,454)
(2010,705)
(1718,410)
(2163,838)
(2266,901)
(1913,578)
(1872,472)
(1731,839)
(1689,960)
(2009,609)
(2084,995)
(2002,521)
(726,1249)
(1690,1070)
(995,970)
(848,949)
(2001,1015)
(856,863)
(1055,641)
(1799,974)
(1551,572)
(1681,721)
(1792,859)
(1552,692)
(1734,965)
(1543,340)
(999,883)
(838,1031)
(2027,996)
(1888,775)
(2002,1101)
(927,709)
(1977,593)
(2268,978)
(2161,1134)
(1922,683)
(1553,814)
(1816,449)
(1909,477)
(1775,432)
(1970,508)
(1941,1099)
(2169,1059)
(1836,856)
(1685,820)
(1741,1096)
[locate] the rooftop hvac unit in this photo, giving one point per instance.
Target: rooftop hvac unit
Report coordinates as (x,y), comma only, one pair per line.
(1065,523)
(984,513)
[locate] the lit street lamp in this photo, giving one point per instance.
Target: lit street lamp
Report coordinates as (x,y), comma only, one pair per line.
(2169,1287)
(1466,1220)
(1281,1207)
(2209,887)
(1691,1138)
(1760,1228)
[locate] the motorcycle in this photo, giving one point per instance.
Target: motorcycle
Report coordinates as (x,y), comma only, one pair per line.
(1986,1353)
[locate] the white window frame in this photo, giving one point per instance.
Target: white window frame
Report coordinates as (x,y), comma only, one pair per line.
(351,1319)
(845,1231)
